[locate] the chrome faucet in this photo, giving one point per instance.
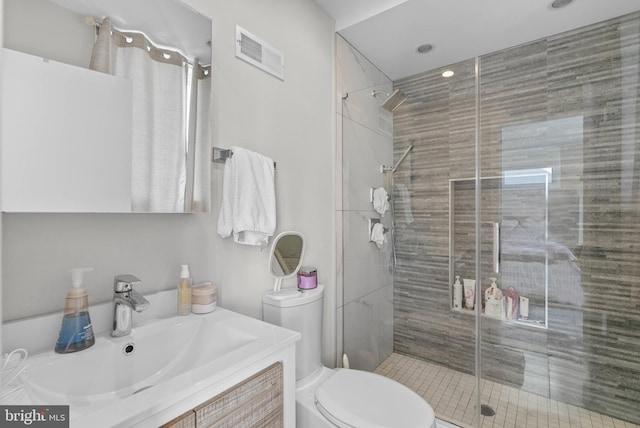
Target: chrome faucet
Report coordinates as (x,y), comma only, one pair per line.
(125,299)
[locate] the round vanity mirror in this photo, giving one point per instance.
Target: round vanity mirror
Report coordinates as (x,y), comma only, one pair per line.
(286,256)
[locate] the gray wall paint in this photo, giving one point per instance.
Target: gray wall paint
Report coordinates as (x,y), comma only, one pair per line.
(589,355)
(290,121)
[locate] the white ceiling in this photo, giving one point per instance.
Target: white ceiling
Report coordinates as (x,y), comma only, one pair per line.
(388,32)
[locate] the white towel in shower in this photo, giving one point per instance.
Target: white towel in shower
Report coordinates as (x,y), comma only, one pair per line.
(248,208)
(377,235)
(380,200)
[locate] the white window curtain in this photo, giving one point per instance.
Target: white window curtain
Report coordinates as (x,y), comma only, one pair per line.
(170,120)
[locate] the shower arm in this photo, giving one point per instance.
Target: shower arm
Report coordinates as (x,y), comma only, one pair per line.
(393,169)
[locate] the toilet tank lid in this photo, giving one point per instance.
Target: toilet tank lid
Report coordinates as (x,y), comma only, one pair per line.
(288,297)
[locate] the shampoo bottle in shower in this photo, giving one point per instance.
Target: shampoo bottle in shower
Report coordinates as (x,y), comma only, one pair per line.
(457,294)
(469,287)
(184,291)
(76,332)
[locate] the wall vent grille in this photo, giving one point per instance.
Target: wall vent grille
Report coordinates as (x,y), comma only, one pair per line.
(254,51)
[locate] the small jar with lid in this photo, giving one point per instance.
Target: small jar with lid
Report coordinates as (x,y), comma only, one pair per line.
(204,298)
(307,278)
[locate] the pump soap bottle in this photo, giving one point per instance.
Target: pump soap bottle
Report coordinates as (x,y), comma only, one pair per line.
(76,332)
(184,292)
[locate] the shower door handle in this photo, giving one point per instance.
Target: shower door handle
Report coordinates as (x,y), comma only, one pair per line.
(496,247)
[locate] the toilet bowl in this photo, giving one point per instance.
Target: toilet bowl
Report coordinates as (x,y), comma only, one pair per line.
(338,397)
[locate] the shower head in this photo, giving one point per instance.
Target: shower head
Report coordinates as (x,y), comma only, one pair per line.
(393,101)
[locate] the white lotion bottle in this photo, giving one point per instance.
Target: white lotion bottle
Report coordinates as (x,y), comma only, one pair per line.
(184,291)
(457,294)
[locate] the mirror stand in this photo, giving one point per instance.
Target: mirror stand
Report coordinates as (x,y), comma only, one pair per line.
(285,258)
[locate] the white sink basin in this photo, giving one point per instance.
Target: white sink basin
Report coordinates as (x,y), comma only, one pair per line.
(165,367)
(120,367)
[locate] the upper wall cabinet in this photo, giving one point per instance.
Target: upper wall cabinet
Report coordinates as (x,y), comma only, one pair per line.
(66,137)
(105,106)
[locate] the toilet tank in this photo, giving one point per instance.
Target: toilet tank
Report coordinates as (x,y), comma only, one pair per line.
(299,311)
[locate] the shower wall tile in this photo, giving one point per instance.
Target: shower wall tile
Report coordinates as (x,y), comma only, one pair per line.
(339,218)
(355,72)
(366,268)
(569,102)
(385,321)
(364,108)
(364,143)
(340,335)
(363,153)
(361,334)
(338,154)
(369,338)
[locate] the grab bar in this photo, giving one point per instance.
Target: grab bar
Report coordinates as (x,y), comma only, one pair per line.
(496,247)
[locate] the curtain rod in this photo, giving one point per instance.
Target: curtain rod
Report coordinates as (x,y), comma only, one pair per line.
(140,40)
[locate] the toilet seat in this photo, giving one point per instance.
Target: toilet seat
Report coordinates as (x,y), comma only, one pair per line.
(354,398)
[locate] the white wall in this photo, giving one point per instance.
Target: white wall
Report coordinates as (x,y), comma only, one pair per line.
(1,44)
(290,121)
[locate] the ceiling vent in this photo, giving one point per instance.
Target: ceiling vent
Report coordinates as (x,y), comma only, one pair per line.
(258,53)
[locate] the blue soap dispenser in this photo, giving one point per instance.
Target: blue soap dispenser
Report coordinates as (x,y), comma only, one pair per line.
(76,332)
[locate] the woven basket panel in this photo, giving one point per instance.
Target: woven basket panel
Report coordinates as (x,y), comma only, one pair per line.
(255,402)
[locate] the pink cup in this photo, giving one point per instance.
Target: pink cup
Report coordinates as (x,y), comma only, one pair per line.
(307,278)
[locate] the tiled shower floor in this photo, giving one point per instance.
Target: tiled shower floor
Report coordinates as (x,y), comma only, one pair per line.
(450,393)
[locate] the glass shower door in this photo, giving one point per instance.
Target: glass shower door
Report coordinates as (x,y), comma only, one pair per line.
(559,129)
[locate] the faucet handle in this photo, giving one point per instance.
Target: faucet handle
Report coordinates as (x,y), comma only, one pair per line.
(123,283)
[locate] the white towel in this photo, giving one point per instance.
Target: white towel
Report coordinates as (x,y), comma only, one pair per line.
(377,235)
(248,198)
(380,200)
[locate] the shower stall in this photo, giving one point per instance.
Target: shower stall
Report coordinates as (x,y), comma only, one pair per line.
(525,168)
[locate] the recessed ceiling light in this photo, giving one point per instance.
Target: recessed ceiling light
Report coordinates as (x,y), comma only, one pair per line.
(424,48)
(558,4)
(448,73)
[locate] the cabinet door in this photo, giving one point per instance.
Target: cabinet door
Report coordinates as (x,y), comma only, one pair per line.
(256,402)
(66,137)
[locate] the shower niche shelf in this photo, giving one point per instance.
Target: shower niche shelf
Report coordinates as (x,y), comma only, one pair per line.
(513,239)
(534,323)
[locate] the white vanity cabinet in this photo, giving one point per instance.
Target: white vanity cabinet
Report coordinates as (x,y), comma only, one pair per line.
(220,369)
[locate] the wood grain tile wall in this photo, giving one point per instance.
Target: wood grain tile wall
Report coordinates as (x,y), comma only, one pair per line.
(569,102)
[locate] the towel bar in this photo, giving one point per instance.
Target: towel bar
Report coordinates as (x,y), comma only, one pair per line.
(221,155)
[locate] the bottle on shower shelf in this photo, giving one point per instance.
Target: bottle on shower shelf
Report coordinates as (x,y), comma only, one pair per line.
(457,293)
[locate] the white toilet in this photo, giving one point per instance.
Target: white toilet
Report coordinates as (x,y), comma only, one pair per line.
(341,397)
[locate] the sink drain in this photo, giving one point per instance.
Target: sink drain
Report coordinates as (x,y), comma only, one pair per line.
(487,410)
(129,349)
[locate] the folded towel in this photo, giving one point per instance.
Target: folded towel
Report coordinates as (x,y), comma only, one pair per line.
(380,200)
(248,198)
(377,235)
